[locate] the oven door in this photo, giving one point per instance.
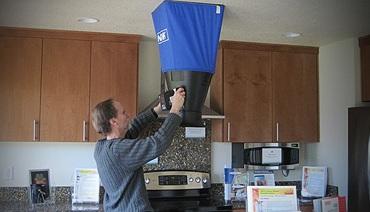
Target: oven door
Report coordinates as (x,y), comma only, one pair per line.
(187,204)
(185,200)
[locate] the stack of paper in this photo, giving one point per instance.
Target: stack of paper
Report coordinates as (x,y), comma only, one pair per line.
(86,184)
(314,181)
(330,204)
(271,198)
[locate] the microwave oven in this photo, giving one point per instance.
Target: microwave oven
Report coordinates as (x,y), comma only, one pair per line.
(271,156)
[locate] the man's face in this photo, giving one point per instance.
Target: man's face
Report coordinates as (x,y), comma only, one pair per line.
(122,120)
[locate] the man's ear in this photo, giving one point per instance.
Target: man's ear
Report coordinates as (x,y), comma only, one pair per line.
(112,121)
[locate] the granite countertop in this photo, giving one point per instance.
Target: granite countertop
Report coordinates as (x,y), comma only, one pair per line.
(26,206)
(17,199)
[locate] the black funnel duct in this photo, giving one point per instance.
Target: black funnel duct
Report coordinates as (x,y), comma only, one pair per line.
(196,85)
(187,35)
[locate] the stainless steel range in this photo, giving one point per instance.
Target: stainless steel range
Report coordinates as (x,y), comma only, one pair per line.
(178,190)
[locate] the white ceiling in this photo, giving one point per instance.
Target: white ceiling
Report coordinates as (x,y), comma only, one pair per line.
(320,21)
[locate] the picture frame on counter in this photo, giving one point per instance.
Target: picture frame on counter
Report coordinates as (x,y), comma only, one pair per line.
(39,185)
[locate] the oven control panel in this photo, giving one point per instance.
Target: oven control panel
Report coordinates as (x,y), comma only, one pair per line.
(174,180)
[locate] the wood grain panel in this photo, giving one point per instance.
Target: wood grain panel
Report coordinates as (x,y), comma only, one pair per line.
(287,81)
(309,114)
(65,89)
(20,76)
(248,95)
(264,84)
(217,98)
(114,74)
(296,108)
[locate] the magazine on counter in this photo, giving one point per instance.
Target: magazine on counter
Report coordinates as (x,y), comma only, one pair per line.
(271,198)
(86,185)
(314,181)
(330,204)
(264,179)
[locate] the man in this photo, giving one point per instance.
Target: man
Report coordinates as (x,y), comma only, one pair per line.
(121,154)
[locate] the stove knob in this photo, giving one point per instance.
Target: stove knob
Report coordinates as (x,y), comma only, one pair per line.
(197,179)
(205,180)
(191,179)
(147,181)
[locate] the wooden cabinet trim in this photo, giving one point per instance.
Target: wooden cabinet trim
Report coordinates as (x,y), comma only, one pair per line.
(66,34)
(268,47)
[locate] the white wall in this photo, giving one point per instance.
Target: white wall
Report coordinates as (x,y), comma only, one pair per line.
(149,73)
(60,158)
(339,81)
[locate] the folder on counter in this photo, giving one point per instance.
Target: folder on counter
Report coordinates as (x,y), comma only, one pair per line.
(330,204)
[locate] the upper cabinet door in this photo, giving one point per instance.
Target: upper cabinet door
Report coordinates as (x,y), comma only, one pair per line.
(20,75)
(295,97)
(65,90)
(309,118)
(247,95)
(114,74)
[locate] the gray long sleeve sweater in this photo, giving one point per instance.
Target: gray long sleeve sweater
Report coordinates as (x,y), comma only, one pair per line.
(120,161)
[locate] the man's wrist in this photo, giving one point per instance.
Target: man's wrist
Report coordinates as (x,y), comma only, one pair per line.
(179,113)
(154,113)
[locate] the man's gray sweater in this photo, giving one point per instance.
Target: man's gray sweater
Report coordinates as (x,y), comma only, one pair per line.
(120,161)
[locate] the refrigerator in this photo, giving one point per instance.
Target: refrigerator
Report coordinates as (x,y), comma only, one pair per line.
(358,159)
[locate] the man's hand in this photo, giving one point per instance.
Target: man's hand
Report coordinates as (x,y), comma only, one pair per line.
(177,100)
(157,108)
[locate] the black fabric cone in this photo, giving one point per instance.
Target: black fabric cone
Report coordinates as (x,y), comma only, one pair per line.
(196,85)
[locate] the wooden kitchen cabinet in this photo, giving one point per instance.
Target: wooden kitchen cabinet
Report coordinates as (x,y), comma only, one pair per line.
(267,92)
(20,74)
(114,75)
(364,43)
(65,90)
(295,102)
(247,95)
(54,78)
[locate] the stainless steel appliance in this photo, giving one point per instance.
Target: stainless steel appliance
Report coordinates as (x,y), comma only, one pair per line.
(181,190)
(271,156)
(358,159)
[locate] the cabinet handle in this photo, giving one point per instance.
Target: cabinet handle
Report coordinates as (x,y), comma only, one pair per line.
(228,131)
(277,131)
(35,130)
(84,131)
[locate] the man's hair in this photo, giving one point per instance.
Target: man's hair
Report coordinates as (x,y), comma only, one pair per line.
(101,114)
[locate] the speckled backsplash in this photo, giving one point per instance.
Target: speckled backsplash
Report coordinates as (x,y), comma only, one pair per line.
(184,153)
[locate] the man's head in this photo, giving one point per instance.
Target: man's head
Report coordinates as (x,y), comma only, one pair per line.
(110,117)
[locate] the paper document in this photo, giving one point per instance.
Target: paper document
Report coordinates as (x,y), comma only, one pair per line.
(314,181)
(264,179)
(86,186)
(271,198)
